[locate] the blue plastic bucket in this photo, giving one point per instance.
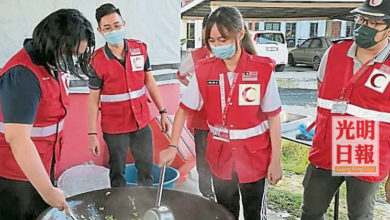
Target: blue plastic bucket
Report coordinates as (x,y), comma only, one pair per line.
(171,176)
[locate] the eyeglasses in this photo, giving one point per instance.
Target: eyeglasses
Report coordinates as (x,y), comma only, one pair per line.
(359,19)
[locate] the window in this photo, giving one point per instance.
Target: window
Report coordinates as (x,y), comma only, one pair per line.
(272,26)
(336,29)
(250,25)
(257,26)
(306,44)
(349,29)
(290,34)
(316,43)
(269,38)
(190,35)
(313,29)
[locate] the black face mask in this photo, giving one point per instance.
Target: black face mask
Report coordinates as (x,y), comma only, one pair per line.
(365,36)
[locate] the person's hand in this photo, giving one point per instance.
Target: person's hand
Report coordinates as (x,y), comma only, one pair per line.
(387,189)
(274,172)
(94,145)
(55,197)
(167,156)
(165,124)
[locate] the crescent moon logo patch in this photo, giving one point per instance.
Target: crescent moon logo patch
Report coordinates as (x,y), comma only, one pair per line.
(249,94)
(378,81)
(375,3)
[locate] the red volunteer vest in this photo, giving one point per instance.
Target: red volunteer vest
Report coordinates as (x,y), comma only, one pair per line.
(124,106)
(198,118)
(47,128)
(249,157)
(339,70)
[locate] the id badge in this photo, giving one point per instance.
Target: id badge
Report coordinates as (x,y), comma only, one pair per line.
(137,62)
(339,107)
(222,134)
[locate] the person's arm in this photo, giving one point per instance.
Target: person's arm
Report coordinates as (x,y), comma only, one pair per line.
(27,157)
(275,169)
(154,92)
(186,68)
(271,106)
(190,101)
(19,107)
(168,155)
(93,112)
(95,84)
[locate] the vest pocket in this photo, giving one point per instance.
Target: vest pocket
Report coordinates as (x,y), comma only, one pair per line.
(145,112)
(322,124)
(112,109)
(259,155)
(213,151)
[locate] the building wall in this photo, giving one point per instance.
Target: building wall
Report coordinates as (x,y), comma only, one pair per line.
(302,29)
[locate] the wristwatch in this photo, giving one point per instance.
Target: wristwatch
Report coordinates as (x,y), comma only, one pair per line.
(164,111)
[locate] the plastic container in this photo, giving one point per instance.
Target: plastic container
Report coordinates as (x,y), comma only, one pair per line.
(84,178)
(171,176)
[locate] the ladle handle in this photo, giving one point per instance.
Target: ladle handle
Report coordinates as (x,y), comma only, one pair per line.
(160,185)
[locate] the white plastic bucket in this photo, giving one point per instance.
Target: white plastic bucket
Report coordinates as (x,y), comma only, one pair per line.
(84,178)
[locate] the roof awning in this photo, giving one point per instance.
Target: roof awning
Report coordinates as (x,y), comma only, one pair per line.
(277,10)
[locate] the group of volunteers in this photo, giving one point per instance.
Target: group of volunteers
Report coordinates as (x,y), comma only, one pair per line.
(232,101)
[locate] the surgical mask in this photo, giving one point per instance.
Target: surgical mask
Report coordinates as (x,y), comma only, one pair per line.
(224,52)
(114,37)
(365,36)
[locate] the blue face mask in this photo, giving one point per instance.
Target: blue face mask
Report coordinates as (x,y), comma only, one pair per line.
(114,37)
(224,52)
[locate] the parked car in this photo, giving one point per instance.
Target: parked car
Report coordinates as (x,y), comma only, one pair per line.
(310,52)
(271,44)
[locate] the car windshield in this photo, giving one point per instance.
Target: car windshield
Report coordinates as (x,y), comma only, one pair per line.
(269,38)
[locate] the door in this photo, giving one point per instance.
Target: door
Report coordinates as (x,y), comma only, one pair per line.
(314,49)
(300,53)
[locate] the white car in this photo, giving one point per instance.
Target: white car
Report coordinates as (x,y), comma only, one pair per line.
(271,44)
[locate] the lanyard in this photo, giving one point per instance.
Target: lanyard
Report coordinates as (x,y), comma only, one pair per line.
(225,107)
(354,78)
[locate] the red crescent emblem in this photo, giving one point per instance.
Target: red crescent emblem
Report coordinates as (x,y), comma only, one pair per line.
(374,77)
(375,2)
(245,97)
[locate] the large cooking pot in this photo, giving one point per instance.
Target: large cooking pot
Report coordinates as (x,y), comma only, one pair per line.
(130,203)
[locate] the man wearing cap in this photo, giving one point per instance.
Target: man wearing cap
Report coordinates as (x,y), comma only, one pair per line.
(349,86)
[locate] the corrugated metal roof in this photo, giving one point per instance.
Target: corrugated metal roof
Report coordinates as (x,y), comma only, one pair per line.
(275,9)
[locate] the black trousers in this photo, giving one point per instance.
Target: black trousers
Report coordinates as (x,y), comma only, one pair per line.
(254,197)
(320,187)
(19,200)
(205,176)
(141,147)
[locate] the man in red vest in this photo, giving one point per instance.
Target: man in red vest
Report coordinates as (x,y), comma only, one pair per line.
(197,120)
(33,96)
(348,86)
(123,74)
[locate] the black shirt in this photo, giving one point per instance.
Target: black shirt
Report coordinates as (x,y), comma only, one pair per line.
(97,83)
(20,91)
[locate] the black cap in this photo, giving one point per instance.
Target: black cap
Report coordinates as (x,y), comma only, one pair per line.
(377,9)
